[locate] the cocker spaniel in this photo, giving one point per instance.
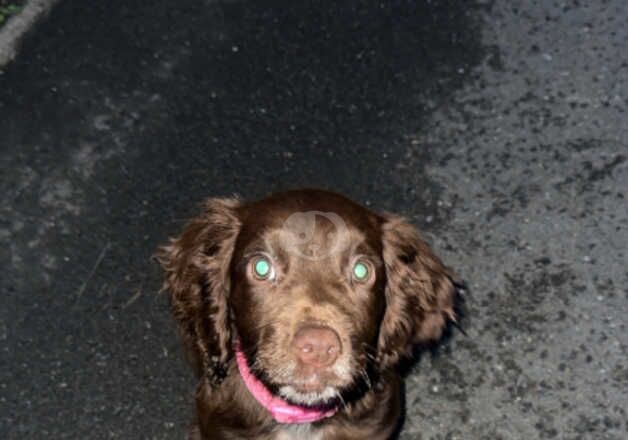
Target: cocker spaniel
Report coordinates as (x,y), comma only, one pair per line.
(295,312)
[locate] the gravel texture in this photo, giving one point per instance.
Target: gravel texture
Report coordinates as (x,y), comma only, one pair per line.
(499,127)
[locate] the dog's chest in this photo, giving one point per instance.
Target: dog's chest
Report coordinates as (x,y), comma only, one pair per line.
(298,432)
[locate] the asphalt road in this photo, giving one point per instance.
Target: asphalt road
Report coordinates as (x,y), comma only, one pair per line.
(499,127)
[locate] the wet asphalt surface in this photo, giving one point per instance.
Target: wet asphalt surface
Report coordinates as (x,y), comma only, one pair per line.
(499,127)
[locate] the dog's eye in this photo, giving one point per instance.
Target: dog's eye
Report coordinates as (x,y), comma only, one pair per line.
(361,271)
(262,268)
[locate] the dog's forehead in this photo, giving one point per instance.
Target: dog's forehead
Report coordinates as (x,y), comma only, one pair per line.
(300,210)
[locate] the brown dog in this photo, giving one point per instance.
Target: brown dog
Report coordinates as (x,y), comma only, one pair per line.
(295,311)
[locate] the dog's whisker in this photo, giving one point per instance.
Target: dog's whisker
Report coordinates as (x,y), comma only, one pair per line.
(366,377)
(338,395)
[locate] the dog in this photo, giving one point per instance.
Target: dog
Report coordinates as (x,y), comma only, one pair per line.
(296,311)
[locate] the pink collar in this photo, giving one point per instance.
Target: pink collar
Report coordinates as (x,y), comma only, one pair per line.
(282,411)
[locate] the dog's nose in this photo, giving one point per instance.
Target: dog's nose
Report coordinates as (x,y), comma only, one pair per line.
(316,346)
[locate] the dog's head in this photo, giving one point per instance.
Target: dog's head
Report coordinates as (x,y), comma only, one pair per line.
(318,292)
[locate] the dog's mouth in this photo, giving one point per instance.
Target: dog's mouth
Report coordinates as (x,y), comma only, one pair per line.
(314,392)
(320,390)
(294,406)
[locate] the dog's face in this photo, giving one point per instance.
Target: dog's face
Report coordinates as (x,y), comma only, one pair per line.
(318,292)
(308,295)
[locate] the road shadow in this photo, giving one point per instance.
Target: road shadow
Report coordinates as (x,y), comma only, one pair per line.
(273,94)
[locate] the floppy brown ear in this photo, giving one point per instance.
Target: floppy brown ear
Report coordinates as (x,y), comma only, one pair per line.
(420,293)
(196,266)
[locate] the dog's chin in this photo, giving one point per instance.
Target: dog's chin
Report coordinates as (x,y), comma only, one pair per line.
(319,393)
(320,397)
(323,398)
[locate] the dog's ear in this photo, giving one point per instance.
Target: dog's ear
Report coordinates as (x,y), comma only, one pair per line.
(196,266)
(420,293)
